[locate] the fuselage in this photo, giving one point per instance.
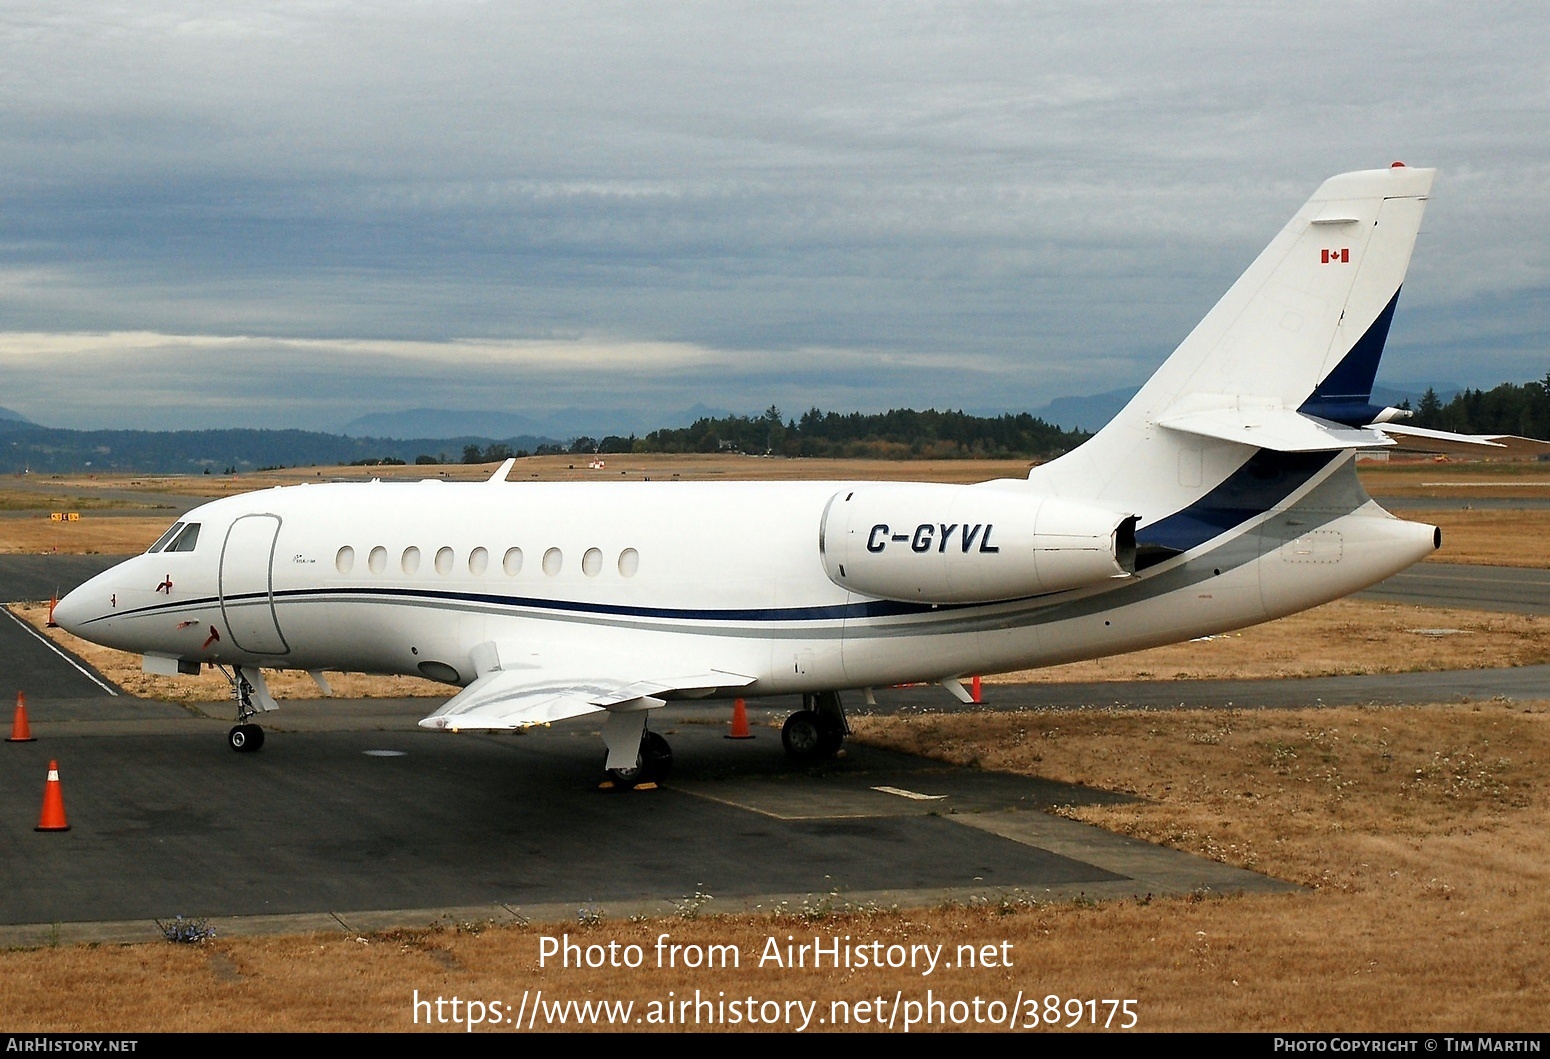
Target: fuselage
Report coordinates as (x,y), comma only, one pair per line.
(616,578)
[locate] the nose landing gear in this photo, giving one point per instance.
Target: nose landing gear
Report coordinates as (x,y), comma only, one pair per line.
(245,737)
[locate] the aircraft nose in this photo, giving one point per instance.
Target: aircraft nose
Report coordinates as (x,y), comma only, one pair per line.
(72,611)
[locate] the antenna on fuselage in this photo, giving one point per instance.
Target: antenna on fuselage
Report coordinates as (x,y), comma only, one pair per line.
(505,469)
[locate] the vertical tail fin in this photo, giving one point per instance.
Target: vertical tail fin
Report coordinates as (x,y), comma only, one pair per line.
(1300,331)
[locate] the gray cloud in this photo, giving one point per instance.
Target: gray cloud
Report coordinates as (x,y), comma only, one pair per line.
(854,206)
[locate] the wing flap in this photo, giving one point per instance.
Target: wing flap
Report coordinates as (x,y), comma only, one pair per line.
(502,700)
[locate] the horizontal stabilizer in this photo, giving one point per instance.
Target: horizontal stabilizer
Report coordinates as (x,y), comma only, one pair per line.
(1265,425)
(1421,439)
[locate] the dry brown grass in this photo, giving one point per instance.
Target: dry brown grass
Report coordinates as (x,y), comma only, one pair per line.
(123,669)
(688,467)
(1506,538)
(1499,479)
(55,500)
(1490,538)
(1420,831)
(103,535)
(1347,637)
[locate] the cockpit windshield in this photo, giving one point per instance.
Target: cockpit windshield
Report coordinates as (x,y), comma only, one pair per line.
(185,541)
(182,537)
(161,542)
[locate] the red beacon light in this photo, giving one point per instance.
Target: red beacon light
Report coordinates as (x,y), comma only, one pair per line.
(1396,165)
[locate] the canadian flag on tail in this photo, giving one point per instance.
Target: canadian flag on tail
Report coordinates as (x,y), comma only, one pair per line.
(1339,257)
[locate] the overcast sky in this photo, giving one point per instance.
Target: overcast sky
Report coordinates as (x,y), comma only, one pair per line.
(292,214)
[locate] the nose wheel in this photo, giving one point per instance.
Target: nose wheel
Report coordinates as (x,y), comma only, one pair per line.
(245,737)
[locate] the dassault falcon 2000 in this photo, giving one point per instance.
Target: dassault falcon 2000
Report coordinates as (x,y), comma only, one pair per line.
(1223,495)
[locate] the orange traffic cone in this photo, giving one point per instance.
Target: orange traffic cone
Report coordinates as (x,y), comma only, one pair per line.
(53,816)
(52,603)
(739,721)
(21,731)
(975,685)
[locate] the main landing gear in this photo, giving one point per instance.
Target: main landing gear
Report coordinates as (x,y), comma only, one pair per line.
(245,736)
(652,765)
(818,729)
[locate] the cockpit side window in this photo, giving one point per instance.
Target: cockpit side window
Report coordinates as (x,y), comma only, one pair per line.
(161,542)
(187,540)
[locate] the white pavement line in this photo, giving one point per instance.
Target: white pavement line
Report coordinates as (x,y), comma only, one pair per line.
(52,646)
(902,793)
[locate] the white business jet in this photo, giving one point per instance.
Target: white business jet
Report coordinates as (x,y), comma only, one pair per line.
(1223,495)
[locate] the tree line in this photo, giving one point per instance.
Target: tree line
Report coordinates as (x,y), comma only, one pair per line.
(1508,409)
(902,433)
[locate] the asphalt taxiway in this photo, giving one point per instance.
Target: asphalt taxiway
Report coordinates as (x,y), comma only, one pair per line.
(352,818)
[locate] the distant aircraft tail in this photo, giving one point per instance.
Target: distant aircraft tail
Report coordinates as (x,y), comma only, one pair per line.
(1284,362)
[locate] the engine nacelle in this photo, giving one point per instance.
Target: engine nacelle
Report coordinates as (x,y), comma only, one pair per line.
(969,544)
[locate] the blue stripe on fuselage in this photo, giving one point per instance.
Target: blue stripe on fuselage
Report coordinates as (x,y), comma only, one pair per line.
(1266,480)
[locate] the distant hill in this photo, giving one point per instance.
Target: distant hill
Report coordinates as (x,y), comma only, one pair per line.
(10,417)
(46,449)
(1088,413)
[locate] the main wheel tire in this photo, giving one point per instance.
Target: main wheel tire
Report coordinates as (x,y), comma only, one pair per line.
(802,736)
(245,738)
(830,739)
(656,758)
(624,779)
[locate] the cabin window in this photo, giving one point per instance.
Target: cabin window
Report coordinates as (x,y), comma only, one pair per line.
(553,560)
(444,561)
(187,540)
(344,562)
(377,560)
(410,563)
(513,562)
(161,542)
(592,562)
(629,562)
(478,562)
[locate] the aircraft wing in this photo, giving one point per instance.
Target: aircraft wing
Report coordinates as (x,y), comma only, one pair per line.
(501,700)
